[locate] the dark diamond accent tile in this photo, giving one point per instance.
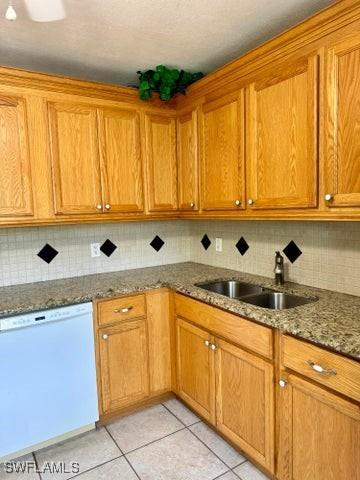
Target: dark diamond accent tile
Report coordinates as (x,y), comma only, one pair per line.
(47,253)
(108,248)
(157,243)
(242,246)
(206,242)
(292,251)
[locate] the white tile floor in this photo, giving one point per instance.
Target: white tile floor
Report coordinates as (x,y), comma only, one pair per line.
(163,442)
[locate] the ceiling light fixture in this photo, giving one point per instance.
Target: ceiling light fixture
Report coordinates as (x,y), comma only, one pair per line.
(45,10)
(10,13)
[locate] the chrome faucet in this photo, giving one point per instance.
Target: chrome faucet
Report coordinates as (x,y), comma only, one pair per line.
(279,269)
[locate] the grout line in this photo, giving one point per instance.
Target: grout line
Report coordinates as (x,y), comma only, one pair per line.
(154,441)
(36,464)
(216,455)
(124,456)
(95,467)
(244,461)
(177,418)
(113,439)
(221,474)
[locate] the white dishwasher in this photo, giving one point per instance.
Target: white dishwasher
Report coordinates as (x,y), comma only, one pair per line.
(47,378)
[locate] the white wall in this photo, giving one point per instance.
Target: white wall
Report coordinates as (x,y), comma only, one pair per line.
(330,259)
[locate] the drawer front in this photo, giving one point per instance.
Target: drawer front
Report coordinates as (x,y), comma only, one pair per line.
(236,329)
(119,309)
(327,368)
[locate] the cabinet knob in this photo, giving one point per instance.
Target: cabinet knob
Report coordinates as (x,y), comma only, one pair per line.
(214,347)
(105,336)
(206,343)
(328,197)
(237,202)
(124,309)
(107,206)
(99,206)
(282,383)
(251,201)
(192,204)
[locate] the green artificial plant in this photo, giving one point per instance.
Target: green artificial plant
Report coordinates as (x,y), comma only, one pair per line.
(167,82)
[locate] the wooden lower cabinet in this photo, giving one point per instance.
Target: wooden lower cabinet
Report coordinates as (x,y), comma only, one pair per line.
(319,433)
(245,401)
(123,352)
(195,369)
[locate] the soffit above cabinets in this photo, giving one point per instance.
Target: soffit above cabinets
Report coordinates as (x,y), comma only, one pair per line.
(109,40)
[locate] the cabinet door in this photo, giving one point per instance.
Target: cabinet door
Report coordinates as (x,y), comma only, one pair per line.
(245,401)
(222,157)
(123,364)
(120,155)
(187,143)
(160,145)
(15,178)
(195,369)
(282,134)
(319,434)
(342,162)
(75,158)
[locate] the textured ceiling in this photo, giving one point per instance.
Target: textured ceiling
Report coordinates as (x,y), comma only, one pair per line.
(109,40)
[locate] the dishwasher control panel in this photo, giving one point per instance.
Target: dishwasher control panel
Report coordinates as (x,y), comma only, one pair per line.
(44,316)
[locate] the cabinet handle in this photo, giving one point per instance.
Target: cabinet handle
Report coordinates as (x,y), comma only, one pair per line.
(105,336)
(214,347)
(328,197)
(237,203)
(99,206)
(123,310)
(108,206)
(319,369)
(192,205)
(207,343)
(282,383)
(251,201)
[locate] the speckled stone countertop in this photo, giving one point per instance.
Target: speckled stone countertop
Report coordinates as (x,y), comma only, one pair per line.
(333,321)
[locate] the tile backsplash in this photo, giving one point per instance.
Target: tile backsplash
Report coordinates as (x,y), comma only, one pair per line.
(19,262)
(330,255)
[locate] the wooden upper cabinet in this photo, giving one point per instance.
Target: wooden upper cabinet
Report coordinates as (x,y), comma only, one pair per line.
(120,156)
(222,157)
(245,401)
(15,179)
(161,169)
(188,165)
(75,158)
(282,131)
(319,434)
(342,159)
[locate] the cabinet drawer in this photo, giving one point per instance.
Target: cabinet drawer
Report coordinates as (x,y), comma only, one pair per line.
(327,368)
(236,329)
(112,311)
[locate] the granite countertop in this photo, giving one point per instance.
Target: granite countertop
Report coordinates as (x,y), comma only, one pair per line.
(333,321)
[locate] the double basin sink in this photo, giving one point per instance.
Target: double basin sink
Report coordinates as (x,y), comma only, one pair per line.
(256,295)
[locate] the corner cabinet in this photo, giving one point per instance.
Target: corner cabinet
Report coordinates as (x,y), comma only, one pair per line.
(282,131)
(188,160)
(342,161)
(222,153)
(160,162)
(16,196)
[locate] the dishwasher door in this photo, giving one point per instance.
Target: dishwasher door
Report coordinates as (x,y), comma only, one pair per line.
(47,378)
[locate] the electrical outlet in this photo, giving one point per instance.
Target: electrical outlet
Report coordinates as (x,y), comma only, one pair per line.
(218,245)
(95,249)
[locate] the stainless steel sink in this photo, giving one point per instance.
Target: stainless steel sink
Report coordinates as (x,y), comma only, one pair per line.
(277,300)
(231,288)
(256,295)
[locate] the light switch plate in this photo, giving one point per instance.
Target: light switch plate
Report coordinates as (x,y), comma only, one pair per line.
(95,249)
(218,245)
